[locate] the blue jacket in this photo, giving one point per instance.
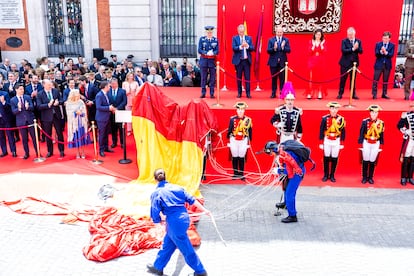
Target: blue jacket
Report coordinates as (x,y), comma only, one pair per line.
(102,107)
(382,58)
(278,56)
(237,52)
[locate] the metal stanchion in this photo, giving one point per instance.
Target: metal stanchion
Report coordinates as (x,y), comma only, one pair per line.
(286,71)
(218,104)
(95,160)
(39,158)
(125,160)
(351,93)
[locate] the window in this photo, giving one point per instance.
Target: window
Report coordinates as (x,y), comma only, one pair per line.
(177,23)
(64,27)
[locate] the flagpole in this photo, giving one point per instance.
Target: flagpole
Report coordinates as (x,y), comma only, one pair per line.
(224,88)
(258,50)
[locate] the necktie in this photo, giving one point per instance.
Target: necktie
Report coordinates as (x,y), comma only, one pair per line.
(86,90)
(21,101)
(244,49)
(114,94)
(49,95)
(106,97)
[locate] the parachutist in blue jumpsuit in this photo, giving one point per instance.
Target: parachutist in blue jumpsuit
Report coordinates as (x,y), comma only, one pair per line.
(290,165)
(170,200)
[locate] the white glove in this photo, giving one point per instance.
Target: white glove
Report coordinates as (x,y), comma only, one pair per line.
(321,146)
(341,146)
(210,53)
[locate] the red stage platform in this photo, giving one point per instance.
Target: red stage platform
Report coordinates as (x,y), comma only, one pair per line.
(261,109)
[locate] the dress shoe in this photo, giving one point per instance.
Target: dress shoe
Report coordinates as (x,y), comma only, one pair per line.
(26,156)
(101,153)
(370,181)
(202,96)
(153,270)
(290,219)
(109,150)
(384,96)
(324,179)
(17,139)
(281,205)
(364,180)
(403,181)
(332,178)
(406,98)
(4,154)
(234,177)
(411,181)
(203,177)
(212,97)
(14,154)
(239,96)
(242,178)
(374,97)
(198,274)
(49,154)
(62,154)
(249,97)
(273,96)
(339,97)
(113,146)
(355,97)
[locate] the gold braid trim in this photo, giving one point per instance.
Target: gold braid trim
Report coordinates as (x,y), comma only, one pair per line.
(335,127)
(243,127)
(375,130)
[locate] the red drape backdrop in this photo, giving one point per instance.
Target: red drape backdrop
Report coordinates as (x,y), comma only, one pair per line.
(370,18)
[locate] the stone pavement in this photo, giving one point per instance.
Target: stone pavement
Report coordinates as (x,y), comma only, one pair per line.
(341,231)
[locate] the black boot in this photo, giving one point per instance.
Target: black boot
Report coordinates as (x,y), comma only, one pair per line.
(364,172)
(241,168)
(326,160)
(235,162)
(334,162)
(371,168)
(404,170)
(411,170)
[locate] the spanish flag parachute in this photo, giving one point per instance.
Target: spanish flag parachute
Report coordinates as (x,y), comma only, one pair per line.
(170,136)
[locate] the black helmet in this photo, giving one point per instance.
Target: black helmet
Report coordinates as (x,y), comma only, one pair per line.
(271,146)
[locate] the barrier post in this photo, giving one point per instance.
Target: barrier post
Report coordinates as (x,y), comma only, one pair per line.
(286,71)
(258,87)
(39,158)
(351,93)
(217,104)
(95,159)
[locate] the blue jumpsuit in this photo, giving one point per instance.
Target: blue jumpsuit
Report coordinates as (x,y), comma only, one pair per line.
(170,199)
(292,187)
(208,63)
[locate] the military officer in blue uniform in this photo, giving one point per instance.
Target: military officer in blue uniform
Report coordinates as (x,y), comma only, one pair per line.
(170,200)
(208,48)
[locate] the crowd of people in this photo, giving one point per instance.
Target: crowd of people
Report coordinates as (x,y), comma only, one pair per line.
(80,93)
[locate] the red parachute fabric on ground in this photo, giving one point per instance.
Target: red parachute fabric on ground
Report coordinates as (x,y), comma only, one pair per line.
(115,235)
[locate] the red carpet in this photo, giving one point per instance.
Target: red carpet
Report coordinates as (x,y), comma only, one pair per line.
(261,108)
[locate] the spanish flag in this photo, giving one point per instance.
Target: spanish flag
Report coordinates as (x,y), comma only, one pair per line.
(170,136)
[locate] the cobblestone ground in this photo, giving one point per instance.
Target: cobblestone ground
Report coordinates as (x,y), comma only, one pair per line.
(341,231)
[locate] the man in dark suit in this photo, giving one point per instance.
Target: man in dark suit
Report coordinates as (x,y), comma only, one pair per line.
(103,117)
(242,59)
(49,101)
(351,48)
(278,47)
(384,51)
(88,94)
(10,87)
(6,120)
(117,98)
(22,107)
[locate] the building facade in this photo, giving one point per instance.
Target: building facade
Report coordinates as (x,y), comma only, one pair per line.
(142,28)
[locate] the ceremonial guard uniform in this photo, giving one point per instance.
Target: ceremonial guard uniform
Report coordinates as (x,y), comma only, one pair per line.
(208,48)
(331,133)
(287,120)
(239,134)
(371,135)
(406,126)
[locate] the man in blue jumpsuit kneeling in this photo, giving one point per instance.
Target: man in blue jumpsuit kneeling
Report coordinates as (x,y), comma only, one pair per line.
(170,200)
